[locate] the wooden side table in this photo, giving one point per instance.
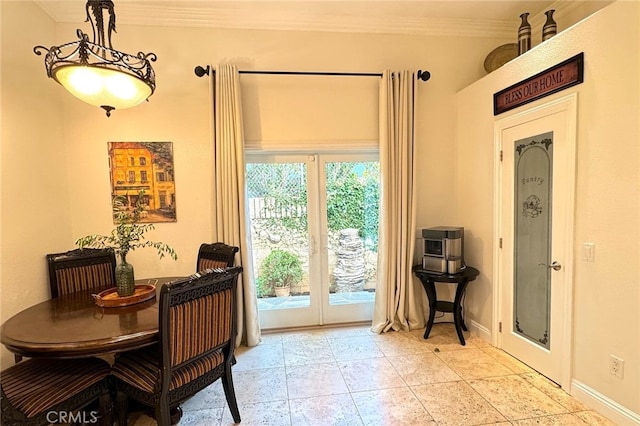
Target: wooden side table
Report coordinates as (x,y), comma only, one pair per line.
(461,279)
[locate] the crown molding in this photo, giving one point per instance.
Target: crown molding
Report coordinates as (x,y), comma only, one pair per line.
(241,15)
(151,14)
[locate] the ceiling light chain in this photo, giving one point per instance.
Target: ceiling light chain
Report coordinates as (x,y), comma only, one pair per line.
(94,71)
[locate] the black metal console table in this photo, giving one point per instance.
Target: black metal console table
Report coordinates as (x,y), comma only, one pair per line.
(429,280)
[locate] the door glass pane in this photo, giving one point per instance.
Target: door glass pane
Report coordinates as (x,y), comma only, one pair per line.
(353,193)
(277,202)
(532,277)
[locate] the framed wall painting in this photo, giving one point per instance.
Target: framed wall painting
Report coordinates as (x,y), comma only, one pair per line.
(143,169)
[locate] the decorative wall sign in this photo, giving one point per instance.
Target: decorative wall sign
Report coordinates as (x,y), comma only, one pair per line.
(148,167)
(552,80)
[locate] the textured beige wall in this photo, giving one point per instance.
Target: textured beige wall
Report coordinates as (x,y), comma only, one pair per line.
(274,107)
(34,214)
(66,194)
(607,292)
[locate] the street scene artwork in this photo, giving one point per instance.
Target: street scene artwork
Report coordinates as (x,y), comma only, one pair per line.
(143,170)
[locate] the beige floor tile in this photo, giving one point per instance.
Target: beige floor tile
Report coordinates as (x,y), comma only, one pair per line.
(473,364)
(507,360)
(516,398)
(443,337)
(456,404)
(369,374)
(317,380)
(313,334)
(201,417)
(274,413)
(261,356)
(305,352)
(349,348)
(593,418)
(557,420)
(476,341)
(392,335)
(422,369)
(269,384)
(396,407)
(397,344)
(271,338)
(347,331)
(210,397)
(370,331)
(396,334)
(418,334)
(352,376)
(554,391)
(338,410)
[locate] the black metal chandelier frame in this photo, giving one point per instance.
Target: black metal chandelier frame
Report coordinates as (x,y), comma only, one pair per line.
(97,53)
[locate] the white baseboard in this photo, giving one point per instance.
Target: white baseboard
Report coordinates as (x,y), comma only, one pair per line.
(593,399)
(479,330)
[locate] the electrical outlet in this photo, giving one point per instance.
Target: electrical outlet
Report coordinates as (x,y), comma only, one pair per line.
(616,366)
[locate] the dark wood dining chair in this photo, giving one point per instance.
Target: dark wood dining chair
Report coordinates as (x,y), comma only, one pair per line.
(197,325)
(42,391)
(81,269)
(215,255)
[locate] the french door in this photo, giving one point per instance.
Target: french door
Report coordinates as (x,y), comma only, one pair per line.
(314,232)
(537,178)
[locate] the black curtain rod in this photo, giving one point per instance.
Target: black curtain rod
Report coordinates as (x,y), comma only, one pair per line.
(201,71)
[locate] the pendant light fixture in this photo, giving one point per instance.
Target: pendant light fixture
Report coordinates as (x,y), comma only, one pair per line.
(94,72)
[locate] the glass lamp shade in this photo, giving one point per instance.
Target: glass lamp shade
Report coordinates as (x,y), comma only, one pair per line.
(103,87)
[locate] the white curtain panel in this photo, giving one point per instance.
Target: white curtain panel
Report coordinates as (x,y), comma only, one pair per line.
(398,303)
(229,211)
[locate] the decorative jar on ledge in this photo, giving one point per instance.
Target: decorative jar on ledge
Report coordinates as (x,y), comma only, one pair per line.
(550,27)
(524,34)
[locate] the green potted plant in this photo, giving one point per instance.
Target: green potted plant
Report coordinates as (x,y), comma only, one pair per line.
(127,236)
(281,270)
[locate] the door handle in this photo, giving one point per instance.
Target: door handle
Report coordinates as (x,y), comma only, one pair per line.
(555,265)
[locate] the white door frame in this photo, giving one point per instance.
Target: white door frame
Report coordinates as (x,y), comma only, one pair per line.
(568,103)
(335,314)
(319,311)
(306,315)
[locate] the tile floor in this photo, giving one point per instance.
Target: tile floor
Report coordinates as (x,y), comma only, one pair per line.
(350,376)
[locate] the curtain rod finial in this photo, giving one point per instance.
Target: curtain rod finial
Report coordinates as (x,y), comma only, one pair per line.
(424,75)
(200,71)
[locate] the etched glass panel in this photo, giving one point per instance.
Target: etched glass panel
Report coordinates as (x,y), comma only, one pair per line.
(532,244)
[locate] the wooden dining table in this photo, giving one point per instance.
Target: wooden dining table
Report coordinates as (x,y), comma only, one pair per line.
(74,326)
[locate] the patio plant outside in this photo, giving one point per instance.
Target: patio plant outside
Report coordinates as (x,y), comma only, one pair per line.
(277,196)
